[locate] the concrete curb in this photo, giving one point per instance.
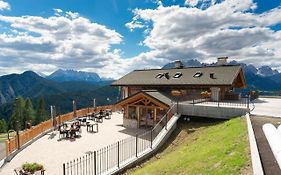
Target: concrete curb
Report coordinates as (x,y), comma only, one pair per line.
(256,161)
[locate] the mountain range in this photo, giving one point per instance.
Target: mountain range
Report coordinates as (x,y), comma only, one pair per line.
(263,78)
(59,89)
(72,75)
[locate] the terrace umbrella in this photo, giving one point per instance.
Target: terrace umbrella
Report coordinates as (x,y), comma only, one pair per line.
(53,115)
(59,117)
(74,109)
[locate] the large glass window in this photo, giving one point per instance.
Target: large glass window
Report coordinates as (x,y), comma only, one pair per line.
(132,112)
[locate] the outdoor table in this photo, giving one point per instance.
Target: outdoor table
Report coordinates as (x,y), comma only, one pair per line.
(90,127)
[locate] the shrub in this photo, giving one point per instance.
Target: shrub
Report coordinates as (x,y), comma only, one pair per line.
(32,167)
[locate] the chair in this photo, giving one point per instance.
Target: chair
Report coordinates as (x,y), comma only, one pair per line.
(107,115)
(64,133)
(99,118)
(84,120)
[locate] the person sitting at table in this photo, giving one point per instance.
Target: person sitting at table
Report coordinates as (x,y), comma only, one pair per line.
(72,131)
(101,112)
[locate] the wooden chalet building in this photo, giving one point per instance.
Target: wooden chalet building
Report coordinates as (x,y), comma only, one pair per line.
(148,94)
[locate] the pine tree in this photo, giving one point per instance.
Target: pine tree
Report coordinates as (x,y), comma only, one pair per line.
(28,113)
(3,126)
(40,112)
(17,115)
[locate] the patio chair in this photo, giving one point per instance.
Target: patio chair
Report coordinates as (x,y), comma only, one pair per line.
(99,118)
(83,121)
(63,133)
(107,115)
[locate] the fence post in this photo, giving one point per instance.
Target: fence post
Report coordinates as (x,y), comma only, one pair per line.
(137,145)
(118,154)
(63,171)
(7,142)
(151,139)
(95,162)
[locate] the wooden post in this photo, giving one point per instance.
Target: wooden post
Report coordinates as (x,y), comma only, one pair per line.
(138,115)
(155,116)
(7,142)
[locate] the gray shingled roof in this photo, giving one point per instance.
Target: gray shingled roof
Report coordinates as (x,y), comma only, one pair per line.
(225,75)
(159,96)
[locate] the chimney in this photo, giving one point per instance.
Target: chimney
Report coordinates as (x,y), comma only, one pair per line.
(222,61)
(178,64)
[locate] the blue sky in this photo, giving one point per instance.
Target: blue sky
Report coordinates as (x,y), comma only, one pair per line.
(113,37)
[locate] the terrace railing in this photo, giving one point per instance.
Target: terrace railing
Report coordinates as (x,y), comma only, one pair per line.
(244,102)
(29,134)
(111,158)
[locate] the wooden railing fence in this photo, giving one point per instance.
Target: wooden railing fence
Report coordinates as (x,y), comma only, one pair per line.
(29,134)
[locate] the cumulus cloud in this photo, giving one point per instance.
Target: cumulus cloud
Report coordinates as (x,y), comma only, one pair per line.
(65,41)
(227,28)
(191,2)
(4,5)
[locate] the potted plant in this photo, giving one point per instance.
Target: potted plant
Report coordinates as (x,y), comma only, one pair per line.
(31,168)
(205,94)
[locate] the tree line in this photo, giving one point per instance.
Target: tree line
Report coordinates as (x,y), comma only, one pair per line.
(24,115)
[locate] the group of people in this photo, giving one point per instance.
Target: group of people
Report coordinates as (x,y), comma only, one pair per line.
(72,131)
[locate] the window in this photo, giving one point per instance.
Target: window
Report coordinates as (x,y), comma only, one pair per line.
(132,112)
(178,75)
(160,75)
(197,74)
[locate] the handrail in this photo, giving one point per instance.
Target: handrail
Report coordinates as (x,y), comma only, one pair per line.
(163,117)
(140,143)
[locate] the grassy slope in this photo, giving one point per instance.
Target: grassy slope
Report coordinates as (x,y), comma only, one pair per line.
(221,148)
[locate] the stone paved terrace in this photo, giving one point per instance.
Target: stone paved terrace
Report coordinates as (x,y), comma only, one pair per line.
(53,153)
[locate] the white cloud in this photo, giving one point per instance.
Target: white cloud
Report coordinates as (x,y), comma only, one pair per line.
(228,28)
(58,12)
(4,5)
(66,41)
(192,2)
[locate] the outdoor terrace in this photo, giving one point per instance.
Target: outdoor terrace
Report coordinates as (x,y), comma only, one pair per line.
(220,109)
(52,151)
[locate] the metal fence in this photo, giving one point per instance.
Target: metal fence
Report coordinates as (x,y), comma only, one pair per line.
(243,102)
(111,157)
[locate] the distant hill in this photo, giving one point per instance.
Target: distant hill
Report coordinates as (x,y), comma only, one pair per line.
(31,85)
(73,75)
(27,84)
(263,78)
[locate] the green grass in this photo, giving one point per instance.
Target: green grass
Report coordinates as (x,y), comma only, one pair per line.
(220,148)
(4,137)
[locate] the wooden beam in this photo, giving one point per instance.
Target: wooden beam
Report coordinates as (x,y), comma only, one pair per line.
(140,100)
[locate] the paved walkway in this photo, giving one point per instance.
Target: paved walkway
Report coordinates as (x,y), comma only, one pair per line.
(267,107)
(270,166)
(53,153)
(2,150)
